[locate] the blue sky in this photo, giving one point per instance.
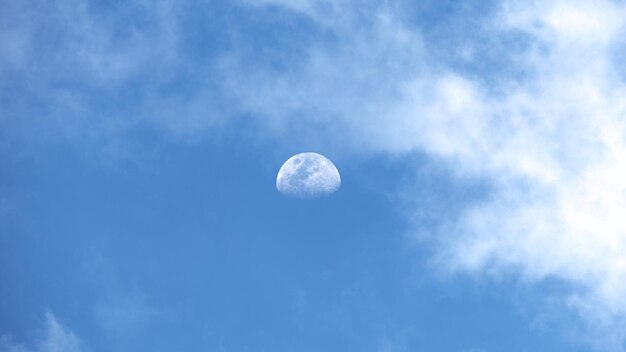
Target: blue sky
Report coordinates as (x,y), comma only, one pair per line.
(481,146)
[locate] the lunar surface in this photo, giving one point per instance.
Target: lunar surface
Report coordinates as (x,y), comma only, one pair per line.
(308,175)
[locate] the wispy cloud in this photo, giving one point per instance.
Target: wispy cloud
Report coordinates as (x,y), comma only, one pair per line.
(53,338)
(119,311)
(126,315)
(552,140)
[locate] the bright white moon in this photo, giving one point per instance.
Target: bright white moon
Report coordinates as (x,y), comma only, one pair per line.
(308,175)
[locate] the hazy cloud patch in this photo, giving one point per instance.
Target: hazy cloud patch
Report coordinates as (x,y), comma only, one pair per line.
(53,338)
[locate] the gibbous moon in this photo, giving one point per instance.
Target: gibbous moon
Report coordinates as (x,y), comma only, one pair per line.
(308,175)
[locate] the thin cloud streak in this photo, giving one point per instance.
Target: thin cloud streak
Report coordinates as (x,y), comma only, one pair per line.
(54,338)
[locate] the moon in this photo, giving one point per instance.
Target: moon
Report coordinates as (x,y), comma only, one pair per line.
(308,175)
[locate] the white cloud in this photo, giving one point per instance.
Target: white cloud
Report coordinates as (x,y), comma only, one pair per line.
(552,142)
(78,63)
(54,338)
